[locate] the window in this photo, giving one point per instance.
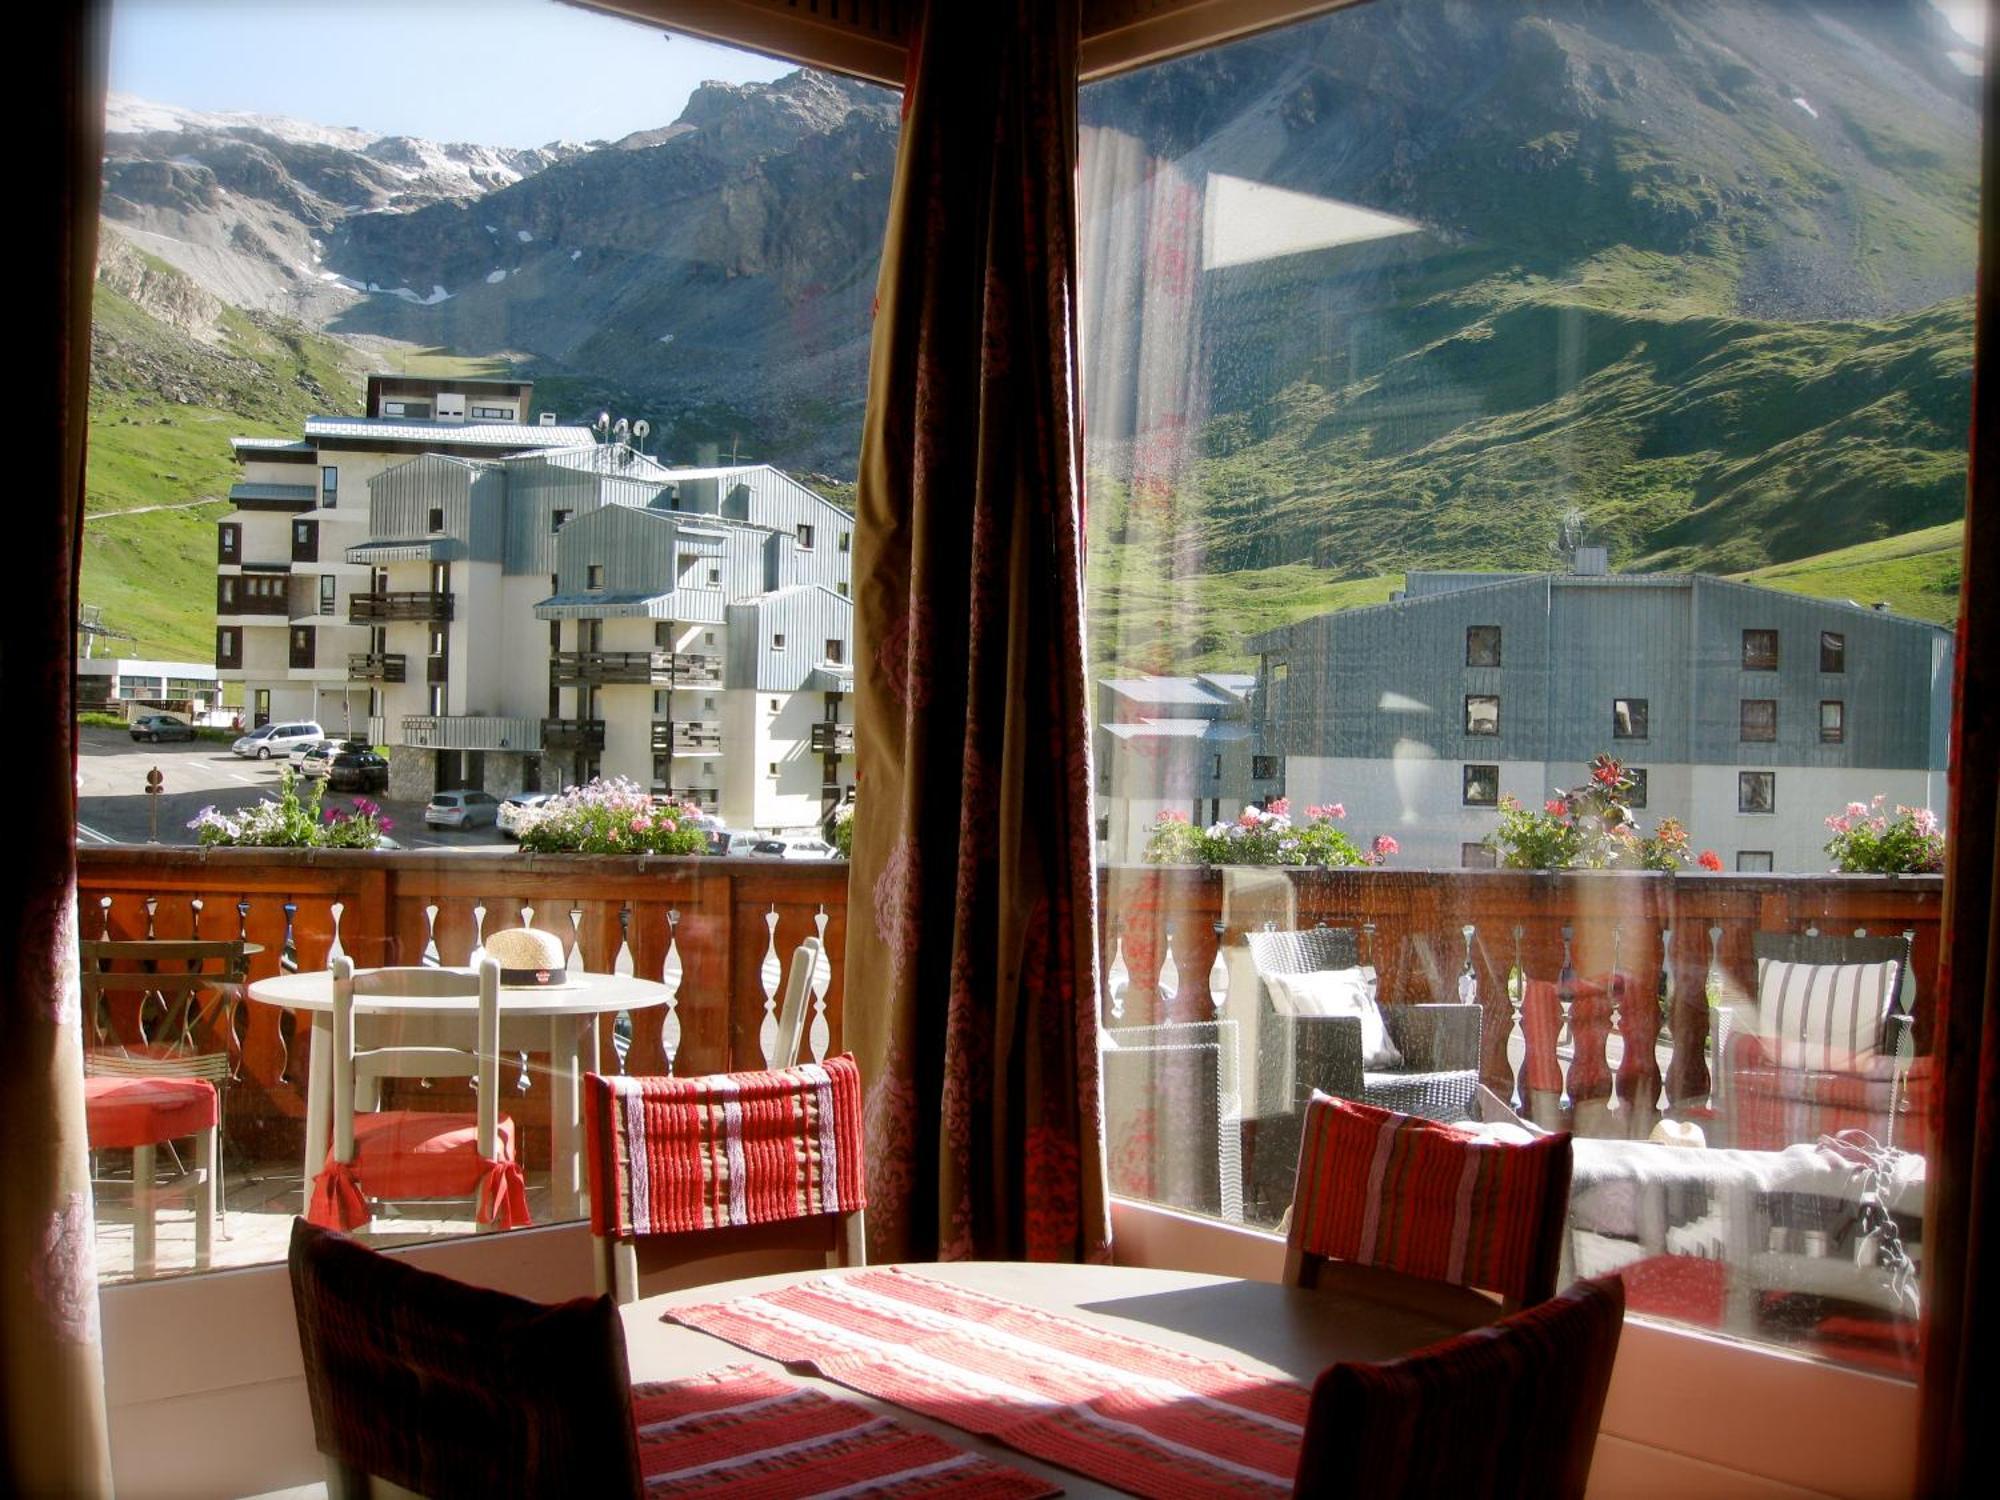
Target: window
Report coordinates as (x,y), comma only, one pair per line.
(1637,799)
(1832,721)
(805,537)
(841,588)
(1482,713)
(1477,857)
(847,541)
(228,646)
(1753,862)
(329,485)
(1103,828)
(436,698)
(1832,651)
(329,587)
(1480,786)
(715,577)
(836,651)
(1215,770)
(439,640)
(593,577)
(1760,650)
(493,413)
(1759,720)
(774,768)
(557,518)
(774,705)
(436,519)
(1628,718)
(1482,645)
(708,637)
(229,542)
(778,641)
(1756,791)
(1263,768)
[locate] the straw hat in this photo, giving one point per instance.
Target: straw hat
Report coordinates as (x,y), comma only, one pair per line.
(529,959)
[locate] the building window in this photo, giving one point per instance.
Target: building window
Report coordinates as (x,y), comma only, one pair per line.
(492,414)
(328,592)
(437,699)
(556,519)
(228,647)
(774,705)
(1481,786)
(662,702)
(1482,713)
(329,485)
(1215,770)
(1760,650)
(847,541)
(805,535)
(1756,791)
(774,768)
(229,542)
(841,587)
(1832,651)
(593,576)
(437,640)
(1832,721)
(1759,720)
(708,638)
(708,705)
(1104,829)
(1753,862)
(1477,857)
(715,578)
(1637,798)
(1628,718)
(437,518)
(1263,768)
(1482,645)
(778,641)
(836,651)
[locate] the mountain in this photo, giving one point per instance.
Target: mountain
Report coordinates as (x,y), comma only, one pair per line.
(1693,275)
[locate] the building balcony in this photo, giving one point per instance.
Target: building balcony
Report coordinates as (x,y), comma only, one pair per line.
(375,666)
(572,735)
(647,668)
(707,798)
(374,609)
(833,739)
(437,669)
(236,602)
(471,732)
(687,737)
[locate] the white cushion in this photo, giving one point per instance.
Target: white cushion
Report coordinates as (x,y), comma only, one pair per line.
(1826,1017)
(1339,992)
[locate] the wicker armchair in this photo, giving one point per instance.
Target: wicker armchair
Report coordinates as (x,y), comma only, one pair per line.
(1174,1115)
(1298,1054)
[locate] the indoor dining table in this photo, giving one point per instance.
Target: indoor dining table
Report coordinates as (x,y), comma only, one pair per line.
(561,1022)
(1261,1327)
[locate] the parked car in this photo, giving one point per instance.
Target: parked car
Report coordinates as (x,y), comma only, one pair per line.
(462,810)
(513,811)
(794,848)
(277,739)
(357,768)
(157,727)
(736,845)
(314,759)
(297,758)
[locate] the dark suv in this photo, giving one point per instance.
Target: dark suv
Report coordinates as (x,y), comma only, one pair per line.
(357,768)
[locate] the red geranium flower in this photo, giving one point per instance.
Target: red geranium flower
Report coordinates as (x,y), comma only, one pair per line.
(1709,860)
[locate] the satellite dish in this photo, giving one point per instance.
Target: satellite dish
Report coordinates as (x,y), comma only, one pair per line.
(603,422)
(642,429)
(621,430)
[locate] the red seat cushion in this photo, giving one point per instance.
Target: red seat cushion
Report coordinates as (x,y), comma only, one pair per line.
(414,1153)
(146,1111)
(1686,1287)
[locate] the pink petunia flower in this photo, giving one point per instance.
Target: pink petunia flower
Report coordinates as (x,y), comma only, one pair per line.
(1386,846)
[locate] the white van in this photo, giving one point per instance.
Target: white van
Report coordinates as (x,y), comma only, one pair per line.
(277,739)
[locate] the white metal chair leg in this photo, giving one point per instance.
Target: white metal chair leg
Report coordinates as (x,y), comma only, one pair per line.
(207,1159)
(144,1205)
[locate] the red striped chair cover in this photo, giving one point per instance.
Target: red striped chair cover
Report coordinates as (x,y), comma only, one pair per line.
(1377,1188)
(1503,1411)
(673,1156)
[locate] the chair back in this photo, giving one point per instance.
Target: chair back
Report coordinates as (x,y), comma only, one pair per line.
(1378,1188)
(448,1390)
(689,1162)
(1830,1003)
(1509,1410)
(167,975)
(806,959)
(1305,952)
(353,1061)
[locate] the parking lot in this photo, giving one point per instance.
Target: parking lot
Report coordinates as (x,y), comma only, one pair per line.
(111,772)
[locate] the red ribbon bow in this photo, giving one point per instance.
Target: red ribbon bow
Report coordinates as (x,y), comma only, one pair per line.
(337,1202)
(503,1195)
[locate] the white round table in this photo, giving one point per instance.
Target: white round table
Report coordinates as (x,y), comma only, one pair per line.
(562,1022)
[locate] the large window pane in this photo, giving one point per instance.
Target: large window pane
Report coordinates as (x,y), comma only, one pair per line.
(1419,328)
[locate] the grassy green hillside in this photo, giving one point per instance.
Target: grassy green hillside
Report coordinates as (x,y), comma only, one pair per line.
(1916,573)
(165,400)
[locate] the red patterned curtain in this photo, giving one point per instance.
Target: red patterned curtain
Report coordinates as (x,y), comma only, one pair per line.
(52,1427)
(1960,1447)
(972,959)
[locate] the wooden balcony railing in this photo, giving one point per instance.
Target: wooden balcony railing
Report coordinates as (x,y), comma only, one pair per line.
(573,734)
(1162,931)
(687,737)
(833,739)
(375,666)
(706,797)
(373,609)
(666,669)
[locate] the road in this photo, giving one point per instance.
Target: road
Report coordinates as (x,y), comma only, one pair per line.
(111,776)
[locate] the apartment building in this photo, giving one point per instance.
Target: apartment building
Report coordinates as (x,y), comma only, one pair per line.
(285,588)
(1161,744)
(538,620)
(113,682)
(1748,713)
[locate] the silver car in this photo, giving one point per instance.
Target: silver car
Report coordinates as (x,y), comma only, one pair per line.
(514,813)
(462,810)
(279,738)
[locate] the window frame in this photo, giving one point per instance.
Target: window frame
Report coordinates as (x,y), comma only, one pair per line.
(1644,717)
(1836,733)
(1744,725)
(1759,663)
(1745,780)
(1480,633)
(1482,734)
(1467,771)
(1838,654)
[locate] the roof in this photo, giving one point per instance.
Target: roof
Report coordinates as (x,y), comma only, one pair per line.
(270,445)
(599,604)
(290,494)
(1168,691)
(506,435)
(1178,729)
(415,549)
(832,677)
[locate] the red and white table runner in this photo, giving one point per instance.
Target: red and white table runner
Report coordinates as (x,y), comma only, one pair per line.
(750,1434)
(1143,1418)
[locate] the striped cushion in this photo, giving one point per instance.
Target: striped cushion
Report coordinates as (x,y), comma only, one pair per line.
(674,1154)
(1385,1189)
(1824,1016)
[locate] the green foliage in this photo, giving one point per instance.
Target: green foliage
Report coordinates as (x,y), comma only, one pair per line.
(1588,827)
(843,830)
(1916,573)
(613,817)
(1867,841)
(294,821)
(1265,836)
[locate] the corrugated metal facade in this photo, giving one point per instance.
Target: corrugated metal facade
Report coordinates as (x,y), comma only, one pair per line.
(776,642)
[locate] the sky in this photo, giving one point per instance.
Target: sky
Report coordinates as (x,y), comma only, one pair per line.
(495,72)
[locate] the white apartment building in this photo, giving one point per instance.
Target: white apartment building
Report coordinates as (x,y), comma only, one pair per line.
(534,621)
(285,589)
(112,682)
